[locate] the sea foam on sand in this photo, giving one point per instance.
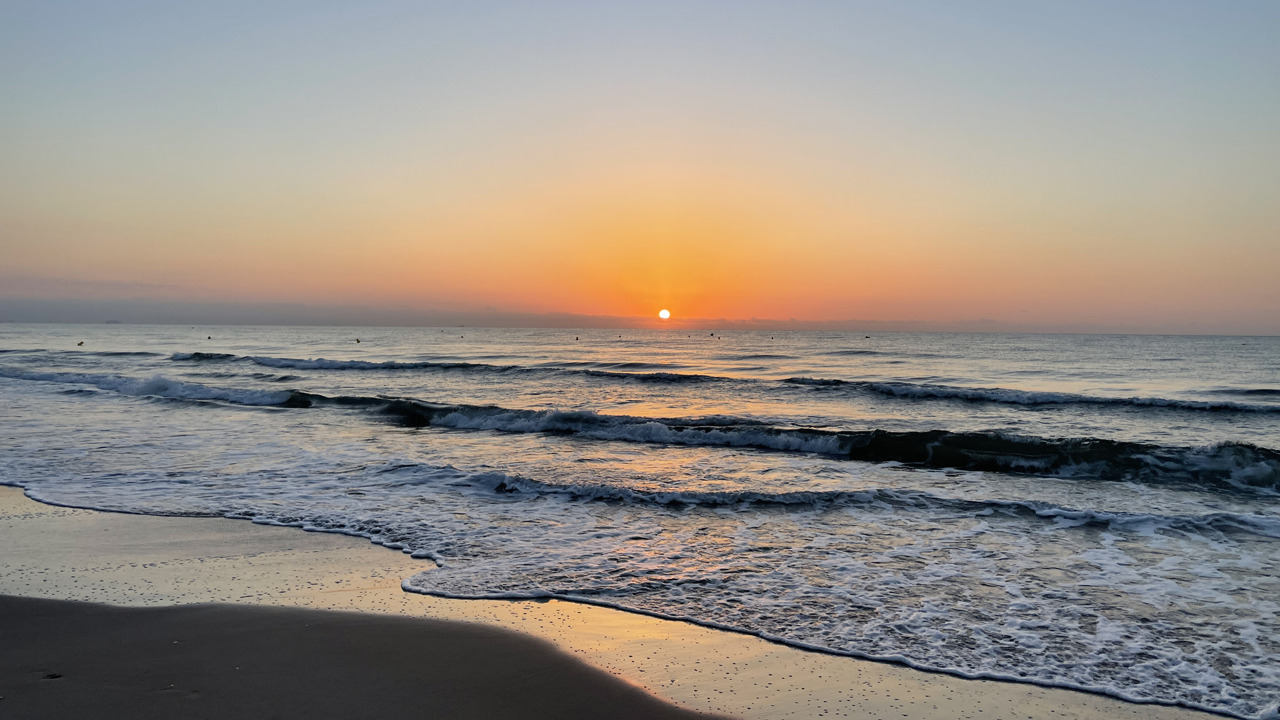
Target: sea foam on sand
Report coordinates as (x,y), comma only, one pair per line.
(64,553)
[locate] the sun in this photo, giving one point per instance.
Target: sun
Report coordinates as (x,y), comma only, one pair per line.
(664,314)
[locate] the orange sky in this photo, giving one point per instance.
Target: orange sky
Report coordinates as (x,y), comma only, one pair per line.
(819,163)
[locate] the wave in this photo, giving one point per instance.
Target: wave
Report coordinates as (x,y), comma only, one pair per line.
(1265,525)
(157,386)
(655,377)
(620,371)
(205,357)
(323,364)
(1249,392)
(616,366)
(1023,397)
(660,373)
(607,369)
(1221,466)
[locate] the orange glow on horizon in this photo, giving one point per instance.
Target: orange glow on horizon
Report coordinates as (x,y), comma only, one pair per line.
(718,241)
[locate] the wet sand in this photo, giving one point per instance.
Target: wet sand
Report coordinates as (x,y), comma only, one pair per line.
(141,561)
(68,659)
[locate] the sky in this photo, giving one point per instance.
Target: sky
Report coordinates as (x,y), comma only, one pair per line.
(1039,165)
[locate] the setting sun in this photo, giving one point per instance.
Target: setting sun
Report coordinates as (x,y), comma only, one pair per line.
(664,314)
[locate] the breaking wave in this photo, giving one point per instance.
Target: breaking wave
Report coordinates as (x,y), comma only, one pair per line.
(1026,397)
(1221,466)
(157,386)
(1263,525)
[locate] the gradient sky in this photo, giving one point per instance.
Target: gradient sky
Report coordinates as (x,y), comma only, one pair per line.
(1113,163)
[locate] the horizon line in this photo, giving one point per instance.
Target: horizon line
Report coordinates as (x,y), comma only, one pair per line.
(145,311)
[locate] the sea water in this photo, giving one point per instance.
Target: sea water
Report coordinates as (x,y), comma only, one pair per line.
(1087,511)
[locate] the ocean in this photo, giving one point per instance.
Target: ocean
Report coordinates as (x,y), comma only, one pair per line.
(1099,512)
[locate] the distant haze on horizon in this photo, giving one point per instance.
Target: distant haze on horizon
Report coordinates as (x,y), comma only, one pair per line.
(930,165)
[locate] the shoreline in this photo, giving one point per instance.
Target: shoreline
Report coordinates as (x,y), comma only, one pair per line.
(120,559)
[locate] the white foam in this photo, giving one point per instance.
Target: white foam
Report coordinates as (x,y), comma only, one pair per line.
(154,386)
(894,575)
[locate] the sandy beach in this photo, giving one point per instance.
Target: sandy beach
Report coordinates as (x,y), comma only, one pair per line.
(556,659)
(65,659)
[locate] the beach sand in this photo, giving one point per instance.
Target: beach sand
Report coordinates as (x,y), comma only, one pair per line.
(141,561)
(65,659)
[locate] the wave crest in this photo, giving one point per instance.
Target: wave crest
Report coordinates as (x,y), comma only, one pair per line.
(1222,466)
(659,373)
(158,386)
(1024,397)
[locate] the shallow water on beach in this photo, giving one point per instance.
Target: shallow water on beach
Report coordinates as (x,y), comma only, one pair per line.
(1099,512)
